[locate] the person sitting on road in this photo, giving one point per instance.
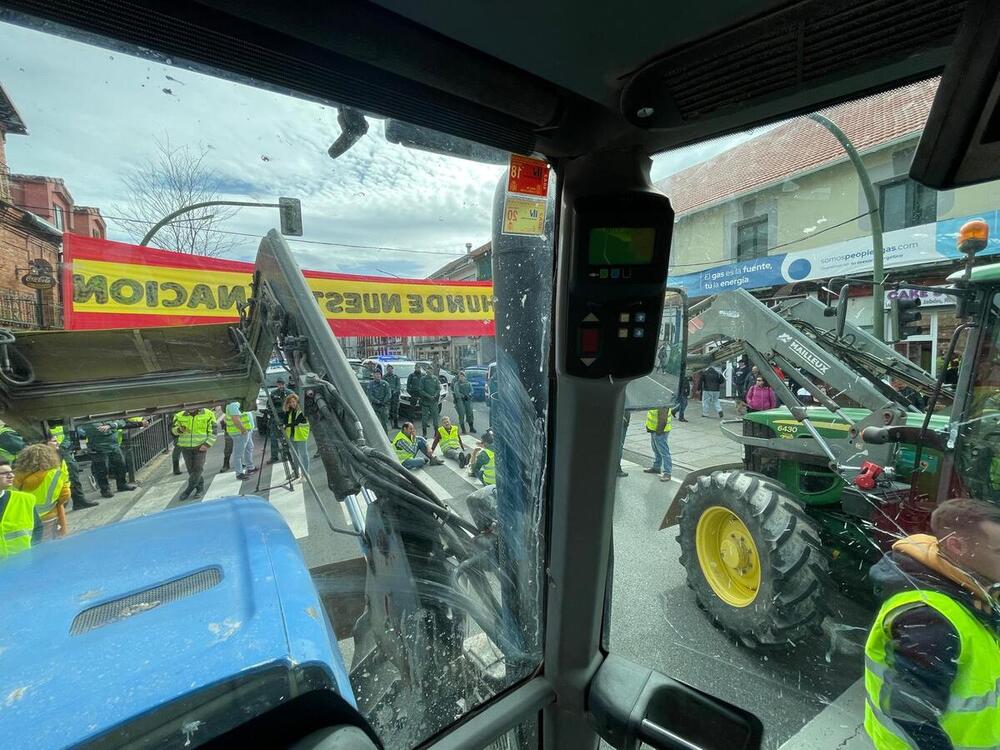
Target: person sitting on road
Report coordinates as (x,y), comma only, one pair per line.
(451,442)
(483,462)
(20,526)
(41,472)
(411,449)
(761,396)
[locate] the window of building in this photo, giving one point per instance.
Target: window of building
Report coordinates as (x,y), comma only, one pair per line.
(905,203)
(751,238)
(58,217)
(95,233)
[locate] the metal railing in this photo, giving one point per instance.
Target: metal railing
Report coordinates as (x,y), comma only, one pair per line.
(142,445)
(25,311)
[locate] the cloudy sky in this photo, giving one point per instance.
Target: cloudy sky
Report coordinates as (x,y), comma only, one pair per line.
(93,115)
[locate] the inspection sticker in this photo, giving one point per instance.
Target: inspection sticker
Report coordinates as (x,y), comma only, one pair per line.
(528,176)
(523,216)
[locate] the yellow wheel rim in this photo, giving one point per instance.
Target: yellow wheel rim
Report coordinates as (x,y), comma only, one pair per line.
(728,556)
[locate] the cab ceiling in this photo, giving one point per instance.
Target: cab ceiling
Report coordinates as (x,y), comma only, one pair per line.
(559,77)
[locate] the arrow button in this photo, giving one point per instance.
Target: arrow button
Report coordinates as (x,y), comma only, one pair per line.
(588,361)
(591,318)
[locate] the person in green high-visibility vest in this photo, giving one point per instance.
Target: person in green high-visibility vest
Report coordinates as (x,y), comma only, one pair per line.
(195,433)
(11,443)
(932,659)
(20,526)
(450,440)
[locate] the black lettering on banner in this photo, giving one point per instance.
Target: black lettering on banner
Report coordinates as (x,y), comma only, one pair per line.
(201,295)
(391,303)
(473,302)
(414,304)
(334,302)
(371,303)
(435,303)
(118,291)
(152,294)
(352,301)
(487,302)
(318,295)
(456,303)
(95,286)
(180,294)
(232,296)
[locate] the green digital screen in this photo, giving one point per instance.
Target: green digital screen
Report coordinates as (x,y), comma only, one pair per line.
(621,246)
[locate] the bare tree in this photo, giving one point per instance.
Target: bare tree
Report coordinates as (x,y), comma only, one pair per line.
(174,177)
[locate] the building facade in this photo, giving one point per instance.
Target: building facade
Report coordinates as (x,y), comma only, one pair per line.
(784,214)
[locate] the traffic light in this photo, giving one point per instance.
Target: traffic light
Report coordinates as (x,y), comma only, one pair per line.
(904,314)
(290,210)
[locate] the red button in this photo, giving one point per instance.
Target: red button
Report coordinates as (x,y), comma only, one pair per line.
(590,340)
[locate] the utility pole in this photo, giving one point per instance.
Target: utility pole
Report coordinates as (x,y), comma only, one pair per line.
(290,211)
(875,215)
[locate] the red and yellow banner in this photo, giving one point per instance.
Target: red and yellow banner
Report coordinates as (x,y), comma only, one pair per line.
(116,285)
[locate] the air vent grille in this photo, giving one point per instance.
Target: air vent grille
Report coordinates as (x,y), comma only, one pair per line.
(143,601)
(790,49)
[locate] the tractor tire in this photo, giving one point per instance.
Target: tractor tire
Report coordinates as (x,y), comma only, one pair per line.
(754,559)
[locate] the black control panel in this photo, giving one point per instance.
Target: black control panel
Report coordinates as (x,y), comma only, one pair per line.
(618,271)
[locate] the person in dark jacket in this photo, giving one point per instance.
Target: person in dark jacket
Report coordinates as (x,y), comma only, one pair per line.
(394,392)
(277,396)
(711,385)
(413,385)
(933,649)
(461,392)
(380,396)
(740,375)
(106,455)
(683,393)
(429,389)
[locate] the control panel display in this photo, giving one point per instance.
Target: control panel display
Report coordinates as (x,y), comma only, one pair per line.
(621,246)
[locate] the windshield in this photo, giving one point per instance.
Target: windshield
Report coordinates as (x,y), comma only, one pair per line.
(322,537)
(761,552)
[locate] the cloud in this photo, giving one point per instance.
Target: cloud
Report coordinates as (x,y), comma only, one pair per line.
(94,114)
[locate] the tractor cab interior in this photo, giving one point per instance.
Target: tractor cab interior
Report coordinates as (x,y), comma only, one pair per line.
(646,118)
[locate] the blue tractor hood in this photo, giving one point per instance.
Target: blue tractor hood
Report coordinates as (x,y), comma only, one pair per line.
(188,622)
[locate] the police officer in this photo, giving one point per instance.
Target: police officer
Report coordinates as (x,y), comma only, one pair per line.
(932,659)
(394,392)
(20,526)
(195,431)
(380,396)
(429,389)
(413,385)
(277,396)
(64,443)
(461,392)
(106,455)
(11,443)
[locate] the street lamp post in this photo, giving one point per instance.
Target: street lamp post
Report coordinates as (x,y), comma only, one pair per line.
(875,214)
(290,212)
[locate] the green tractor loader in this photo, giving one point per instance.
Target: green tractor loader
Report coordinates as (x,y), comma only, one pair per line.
(823,491)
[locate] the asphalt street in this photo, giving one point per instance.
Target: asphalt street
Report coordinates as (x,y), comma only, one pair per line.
(807,698)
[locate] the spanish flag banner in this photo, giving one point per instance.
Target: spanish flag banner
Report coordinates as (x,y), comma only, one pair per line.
(116,285)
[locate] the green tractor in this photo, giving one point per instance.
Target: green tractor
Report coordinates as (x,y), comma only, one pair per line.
(823,491)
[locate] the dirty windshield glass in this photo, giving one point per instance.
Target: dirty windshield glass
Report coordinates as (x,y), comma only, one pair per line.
(809,526)
(210,507)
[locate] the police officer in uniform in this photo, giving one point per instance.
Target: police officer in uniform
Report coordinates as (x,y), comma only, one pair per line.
(65,445)
(195,431)
(932,659)
(277,396)
(380,396)
(106,455)
(429,389)
(413,385)
(461,392)
(394,392)
(11,443)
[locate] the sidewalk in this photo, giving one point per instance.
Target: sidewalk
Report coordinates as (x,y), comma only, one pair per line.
(695,444)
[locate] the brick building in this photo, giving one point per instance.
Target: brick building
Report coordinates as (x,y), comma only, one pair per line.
(35,211)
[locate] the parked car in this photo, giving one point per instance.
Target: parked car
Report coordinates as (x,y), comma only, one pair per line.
(476,375)
(403,368)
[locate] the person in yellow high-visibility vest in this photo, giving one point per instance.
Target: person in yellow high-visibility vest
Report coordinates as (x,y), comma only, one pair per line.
(20,526)
(195,432)
(40,471)
(450,440)
(297,432)
(932,659)
(239,425)
(659,422)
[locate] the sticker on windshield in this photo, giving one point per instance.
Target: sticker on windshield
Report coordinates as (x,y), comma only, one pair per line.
(528,176)
(523,216)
